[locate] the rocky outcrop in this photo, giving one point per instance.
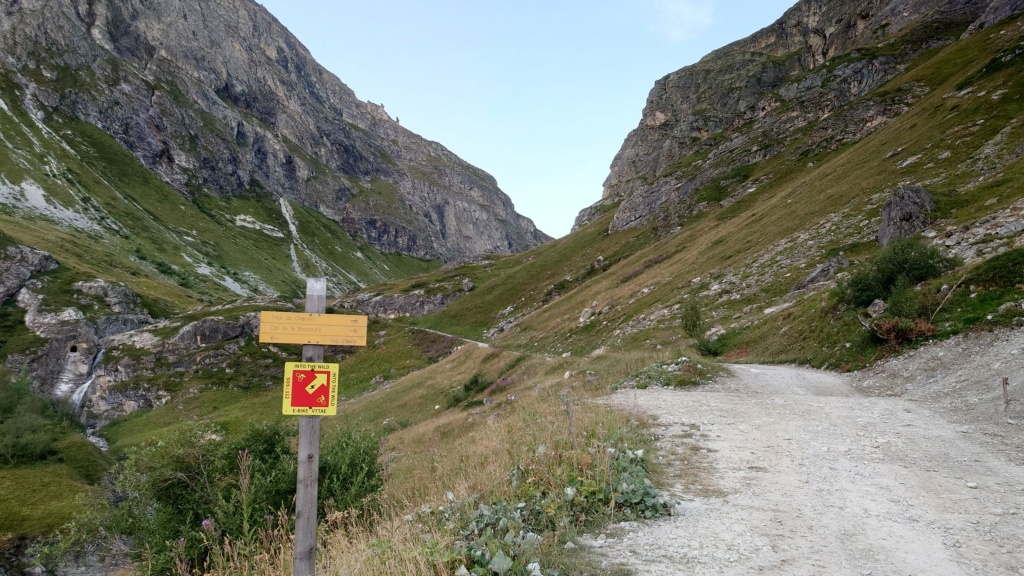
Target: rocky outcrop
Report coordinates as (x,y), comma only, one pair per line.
(69,359)
(220,98)
(215,329)
(823,273)
(811,76)
(17,265)
(414,304)
(998,10)
(905,213)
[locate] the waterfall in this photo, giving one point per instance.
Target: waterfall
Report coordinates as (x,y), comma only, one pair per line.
(78,401)
(78,398)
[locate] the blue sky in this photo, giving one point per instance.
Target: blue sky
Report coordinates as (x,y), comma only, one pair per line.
(539,93)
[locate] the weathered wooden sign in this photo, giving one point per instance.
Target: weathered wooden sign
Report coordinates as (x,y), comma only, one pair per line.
(312,329)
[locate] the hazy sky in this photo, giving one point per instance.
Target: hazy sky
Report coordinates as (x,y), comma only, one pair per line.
(539,93)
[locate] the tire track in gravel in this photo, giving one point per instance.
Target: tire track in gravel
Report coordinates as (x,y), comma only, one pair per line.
(812,478)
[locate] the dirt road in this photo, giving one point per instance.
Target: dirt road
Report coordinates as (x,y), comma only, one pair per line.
(783,470)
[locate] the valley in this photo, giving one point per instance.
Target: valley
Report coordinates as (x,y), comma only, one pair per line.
(773,344)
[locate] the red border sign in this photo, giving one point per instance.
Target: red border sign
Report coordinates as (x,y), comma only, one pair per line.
(310,389)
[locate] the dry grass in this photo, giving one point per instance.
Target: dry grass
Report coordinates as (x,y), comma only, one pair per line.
(470,453)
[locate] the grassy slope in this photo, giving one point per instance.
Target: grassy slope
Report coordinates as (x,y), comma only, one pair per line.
(155,239)
(791,199)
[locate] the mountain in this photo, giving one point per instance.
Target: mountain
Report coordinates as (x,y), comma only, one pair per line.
(220,100)
(814,77)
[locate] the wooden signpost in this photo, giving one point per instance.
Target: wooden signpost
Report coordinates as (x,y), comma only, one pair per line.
(310,391)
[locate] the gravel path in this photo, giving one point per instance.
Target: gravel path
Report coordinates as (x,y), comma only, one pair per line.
(784,470)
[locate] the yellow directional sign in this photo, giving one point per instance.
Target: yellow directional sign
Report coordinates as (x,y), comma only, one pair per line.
(319,379)
(310,389)
(319,329)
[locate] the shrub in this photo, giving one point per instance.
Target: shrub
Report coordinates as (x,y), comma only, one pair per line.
(199,490)
(552,492)
(692,319)
(911,259)
(31,425)
(899,331)
(677,374)
(475,384)
(902,300)
(350,475)
(712,348)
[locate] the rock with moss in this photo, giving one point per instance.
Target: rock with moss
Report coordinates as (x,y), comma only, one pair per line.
(17,265)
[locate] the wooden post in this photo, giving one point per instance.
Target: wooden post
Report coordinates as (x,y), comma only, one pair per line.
(572,423)
(309,452)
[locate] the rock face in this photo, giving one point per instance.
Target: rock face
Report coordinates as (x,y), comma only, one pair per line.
(67,363)
(905,213)
(810,75)
(17,265)
(220,98)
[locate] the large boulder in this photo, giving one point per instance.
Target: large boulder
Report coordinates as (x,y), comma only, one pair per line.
(905,213)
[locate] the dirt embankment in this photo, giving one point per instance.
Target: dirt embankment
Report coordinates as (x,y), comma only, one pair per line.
(912,467)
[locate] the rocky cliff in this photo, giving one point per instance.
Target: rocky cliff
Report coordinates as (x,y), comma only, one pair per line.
(812,77)
(219,98)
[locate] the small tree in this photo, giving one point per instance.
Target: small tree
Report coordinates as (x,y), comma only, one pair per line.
(692,319)
(905,263)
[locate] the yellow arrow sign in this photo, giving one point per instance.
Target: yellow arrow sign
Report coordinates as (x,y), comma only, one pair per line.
(320,380)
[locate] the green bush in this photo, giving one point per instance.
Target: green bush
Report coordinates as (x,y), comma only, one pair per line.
(902,300)
(910,259)
(476,384)
(676,374)
(692,319)
(30,424)
(552,493)
(198,486)
(350,475)
(711,348)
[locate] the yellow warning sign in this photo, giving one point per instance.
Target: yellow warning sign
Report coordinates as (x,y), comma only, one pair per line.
(310,389)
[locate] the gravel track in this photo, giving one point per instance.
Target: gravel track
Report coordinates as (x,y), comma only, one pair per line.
(910,468)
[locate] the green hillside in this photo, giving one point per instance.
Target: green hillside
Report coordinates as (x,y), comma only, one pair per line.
(69,189)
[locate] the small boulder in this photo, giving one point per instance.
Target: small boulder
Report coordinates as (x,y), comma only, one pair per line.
(586,315)
(823,272)
(877,308)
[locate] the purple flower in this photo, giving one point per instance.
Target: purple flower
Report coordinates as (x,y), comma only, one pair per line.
(207,523)
(181,540)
